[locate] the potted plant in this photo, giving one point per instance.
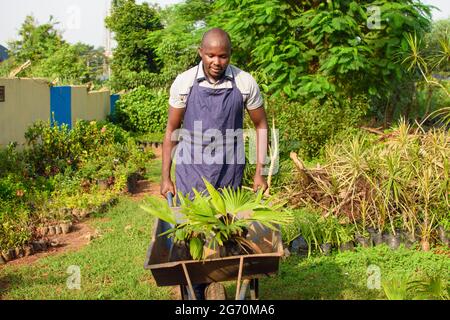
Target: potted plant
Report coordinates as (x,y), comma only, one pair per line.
(218,223)
(346,237)
(375,235)
(443,231)
(103,178)
(392,239)
(363,239)
(328,228)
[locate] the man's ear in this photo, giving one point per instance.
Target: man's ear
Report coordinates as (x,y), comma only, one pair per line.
(200,52)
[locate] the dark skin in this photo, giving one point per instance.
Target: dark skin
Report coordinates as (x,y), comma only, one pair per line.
(215,53)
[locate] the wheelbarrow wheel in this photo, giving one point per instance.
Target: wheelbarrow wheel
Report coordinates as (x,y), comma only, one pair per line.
(215,291)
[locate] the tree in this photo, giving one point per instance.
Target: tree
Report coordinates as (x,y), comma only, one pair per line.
(134,60)
(316,49)
(36,41)
(65,65)
(52,57)
(176,44)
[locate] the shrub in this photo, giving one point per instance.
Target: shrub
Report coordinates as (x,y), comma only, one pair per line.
(142,110)
(307,128)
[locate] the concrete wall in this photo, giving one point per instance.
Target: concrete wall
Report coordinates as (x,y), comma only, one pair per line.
(93,105)
(29,100)
(26,100)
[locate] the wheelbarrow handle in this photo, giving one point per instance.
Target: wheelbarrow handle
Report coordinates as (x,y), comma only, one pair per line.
(169,197)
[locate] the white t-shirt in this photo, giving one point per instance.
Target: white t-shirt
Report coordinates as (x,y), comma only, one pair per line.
(246,84)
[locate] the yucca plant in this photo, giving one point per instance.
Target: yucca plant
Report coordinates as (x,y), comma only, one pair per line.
(433,288)
(396,289)
(220,218)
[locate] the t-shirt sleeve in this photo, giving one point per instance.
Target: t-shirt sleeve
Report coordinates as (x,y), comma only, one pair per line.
(255,99)
(177,98)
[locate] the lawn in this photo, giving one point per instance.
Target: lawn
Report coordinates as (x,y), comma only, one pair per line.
(112,268)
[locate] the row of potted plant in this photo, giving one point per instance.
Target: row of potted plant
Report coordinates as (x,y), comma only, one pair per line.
(311,231)
(64,175)
(392,180)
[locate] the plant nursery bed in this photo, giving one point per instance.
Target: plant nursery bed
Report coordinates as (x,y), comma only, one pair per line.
(80,236)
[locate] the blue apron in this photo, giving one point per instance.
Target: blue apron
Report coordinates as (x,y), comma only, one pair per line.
(211,110)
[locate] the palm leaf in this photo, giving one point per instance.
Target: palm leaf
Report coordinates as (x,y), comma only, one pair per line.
(160,209)
(196,248)
(216,198)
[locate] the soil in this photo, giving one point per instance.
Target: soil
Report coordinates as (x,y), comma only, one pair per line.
(80,235)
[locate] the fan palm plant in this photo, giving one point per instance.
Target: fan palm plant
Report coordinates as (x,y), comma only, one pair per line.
(220,218)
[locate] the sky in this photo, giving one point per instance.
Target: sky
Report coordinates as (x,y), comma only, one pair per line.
(82,20)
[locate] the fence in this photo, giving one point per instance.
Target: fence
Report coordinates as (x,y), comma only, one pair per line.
(24,101)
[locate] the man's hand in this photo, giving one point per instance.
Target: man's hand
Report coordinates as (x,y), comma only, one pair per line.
(259,182)
(167,186)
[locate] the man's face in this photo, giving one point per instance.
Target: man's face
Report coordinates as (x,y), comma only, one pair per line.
(215,57)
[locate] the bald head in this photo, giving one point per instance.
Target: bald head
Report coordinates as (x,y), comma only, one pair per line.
(215,52)
(216,37)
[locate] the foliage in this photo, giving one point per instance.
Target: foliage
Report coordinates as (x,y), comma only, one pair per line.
(134,60)
(65,64)
(308,127)
(14,229)
(216,219)
(430,61)
(142,110)
(61,169)
(429,288)
(176,44)
(36,41)
(399,180)
(315,49)
(51,56)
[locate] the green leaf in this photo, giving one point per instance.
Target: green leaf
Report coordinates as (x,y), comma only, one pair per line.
(160,209)
(196,248)
(216,198)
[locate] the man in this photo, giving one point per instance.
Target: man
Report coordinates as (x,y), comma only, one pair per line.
(211,97)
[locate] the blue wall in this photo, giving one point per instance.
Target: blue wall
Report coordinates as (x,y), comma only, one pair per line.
(61,105)
(113,100)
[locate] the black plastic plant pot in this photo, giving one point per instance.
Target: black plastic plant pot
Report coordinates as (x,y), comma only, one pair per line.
(346,246)
(377,238)
(179,251)
(299,246)
(444,236)
(392,241)
(363,241)
(326,248)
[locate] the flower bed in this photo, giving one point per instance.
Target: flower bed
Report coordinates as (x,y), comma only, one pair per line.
(62,176)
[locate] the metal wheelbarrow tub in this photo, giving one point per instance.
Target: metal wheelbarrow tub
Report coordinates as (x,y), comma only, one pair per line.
(188,272)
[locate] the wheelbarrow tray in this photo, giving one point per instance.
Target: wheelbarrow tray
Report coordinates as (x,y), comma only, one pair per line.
(217,269)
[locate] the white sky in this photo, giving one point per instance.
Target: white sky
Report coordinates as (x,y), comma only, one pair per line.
(82,20)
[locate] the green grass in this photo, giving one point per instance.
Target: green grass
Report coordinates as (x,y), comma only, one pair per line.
(153,171)
(111,265)
(112,268)
(345,275)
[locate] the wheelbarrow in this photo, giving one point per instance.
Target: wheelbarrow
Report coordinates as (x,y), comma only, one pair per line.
(245,269)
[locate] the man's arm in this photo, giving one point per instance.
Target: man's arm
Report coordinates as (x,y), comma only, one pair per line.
(258,116)
(173,123)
